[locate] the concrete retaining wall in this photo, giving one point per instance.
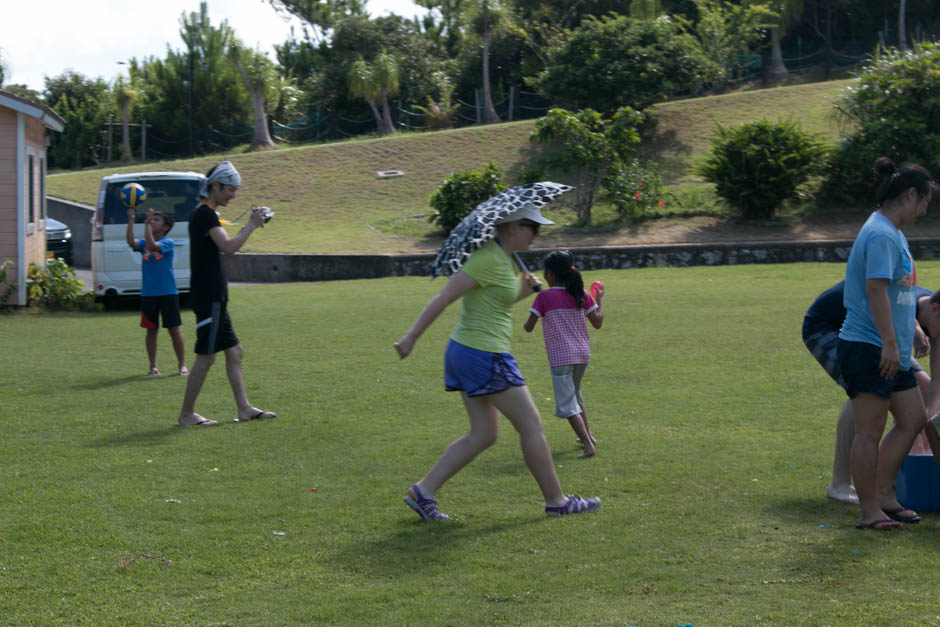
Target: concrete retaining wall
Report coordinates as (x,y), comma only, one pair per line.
(78,217)
(277,268)
(257,268)
(273,268)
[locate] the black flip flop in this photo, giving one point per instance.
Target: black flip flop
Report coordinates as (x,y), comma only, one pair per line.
(893,515)
(874,525)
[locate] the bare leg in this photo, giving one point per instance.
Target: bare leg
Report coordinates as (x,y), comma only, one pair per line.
(516,404)
(871,413)
(909,420)
(921,443)
(484,428)
(587,426)
(841,488)
(577,423)
(176,336)
(151,343)
(933,436)
(197,377)
(233,368)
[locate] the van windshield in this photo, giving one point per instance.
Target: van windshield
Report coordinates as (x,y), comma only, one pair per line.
(176,197)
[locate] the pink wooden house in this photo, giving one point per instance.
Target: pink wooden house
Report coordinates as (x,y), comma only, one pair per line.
(23,126)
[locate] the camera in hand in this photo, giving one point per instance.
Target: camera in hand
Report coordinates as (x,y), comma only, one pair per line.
(267,212)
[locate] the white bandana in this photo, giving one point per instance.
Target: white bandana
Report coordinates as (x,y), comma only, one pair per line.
(225,173)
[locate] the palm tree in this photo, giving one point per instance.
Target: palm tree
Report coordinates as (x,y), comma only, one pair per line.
(488,17)
(257,72)
(385,71)
(374,83)
(902,25)
(789,12)
(3,66)
(125,95)
(361,84)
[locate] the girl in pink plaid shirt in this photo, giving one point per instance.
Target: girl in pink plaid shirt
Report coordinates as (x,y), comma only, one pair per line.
(563,308)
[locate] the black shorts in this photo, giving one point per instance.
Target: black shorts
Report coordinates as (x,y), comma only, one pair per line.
(823,342)
(214,330)
(859,364)
(152,308)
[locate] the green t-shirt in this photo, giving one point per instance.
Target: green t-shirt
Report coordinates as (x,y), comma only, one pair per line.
(486,317)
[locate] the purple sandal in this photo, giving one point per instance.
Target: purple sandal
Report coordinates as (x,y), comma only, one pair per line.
(425,506)
(575,505)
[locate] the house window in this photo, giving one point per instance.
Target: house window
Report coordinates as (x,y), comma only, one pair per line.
(42,188)
(31,177)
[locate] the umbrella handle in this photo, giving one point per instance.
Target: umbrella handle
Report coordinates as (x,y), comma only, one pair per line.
(525,270)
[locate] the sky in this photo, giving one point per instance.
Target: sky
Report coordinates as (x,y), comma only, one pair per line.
(47,37)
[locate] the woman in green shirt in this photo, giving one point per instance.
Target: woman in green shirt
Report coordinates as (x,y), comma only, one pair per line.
(478,365)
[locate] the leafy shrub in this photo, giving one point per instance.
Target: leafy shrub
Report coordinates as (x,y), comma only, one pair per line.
(442,113)
(54,286)
(758,166)
(592,148)
(623,62)
(11,286)
(634,189)
(894,109)
(532,172)
(461,192)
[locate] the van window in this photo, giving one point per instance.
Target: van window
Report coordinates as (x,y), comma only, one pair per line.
(176,197)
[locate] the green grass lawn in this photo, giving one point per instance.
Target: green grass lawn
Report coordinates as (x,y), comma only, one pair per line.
(715,431)
(329,198)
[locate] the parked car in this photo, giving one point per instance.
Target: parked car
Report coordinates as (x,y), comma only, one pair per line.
(58,241)
(115,267)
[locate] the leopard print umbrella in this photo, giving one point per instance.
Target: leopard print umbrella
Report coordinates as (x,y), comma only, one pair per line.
(479,226)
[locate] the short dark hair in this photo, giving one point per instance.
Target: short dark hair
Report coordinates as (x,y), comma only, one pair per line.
(168,218)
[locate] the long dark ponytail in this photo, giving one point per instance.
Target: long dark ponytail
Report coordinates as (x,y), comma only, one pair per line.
(561,263)
(895,181)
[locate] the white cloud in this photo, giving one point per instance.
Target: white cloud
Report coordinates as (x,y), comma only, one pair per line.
(47,37)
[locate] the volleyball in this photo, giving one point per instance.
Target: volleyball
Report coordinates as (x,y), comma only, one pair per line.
(133,194)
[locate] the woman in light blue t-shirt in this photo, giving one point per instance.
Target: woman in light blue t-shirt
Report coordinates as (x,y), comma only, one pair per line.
(876,341)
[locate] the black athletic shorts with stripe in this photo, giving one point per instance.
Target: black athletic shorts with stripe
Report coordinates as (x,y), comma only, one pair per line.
(153,308)
(214,330)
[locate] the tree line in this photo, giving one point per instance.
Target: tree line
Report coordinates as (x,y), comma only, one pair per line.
(602,55)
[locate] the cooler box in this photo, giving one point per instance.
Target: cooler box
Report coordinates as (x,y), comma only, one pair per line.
(918,484)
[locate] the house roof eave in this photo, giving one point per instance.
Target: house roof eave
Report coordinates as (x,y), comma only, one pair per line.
(44,114)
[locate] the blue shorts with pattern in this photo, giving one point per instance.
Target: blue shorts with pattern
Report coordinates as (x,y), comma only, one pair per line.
(477,372)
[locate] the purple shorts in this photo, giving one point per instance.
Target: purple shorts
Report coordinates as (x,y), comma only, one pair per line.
(477,372)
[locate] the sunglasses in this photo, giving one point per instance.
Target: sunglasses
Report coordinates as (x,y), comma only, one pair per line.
(532,225)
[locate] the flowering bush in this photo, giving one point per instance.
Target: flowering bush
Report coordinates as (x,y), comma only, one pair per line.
(634,189)
(592,149)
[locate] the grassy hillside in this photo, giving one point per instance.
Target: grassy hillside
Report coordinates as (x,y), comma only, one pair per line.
(687,126)
(329,198)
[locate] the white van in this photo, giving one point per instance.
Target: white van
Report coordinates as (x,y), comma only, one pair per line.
(115,267)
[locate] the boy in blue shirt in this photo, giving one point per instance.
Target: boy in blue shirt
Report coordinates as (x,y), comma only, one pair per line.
(158,295)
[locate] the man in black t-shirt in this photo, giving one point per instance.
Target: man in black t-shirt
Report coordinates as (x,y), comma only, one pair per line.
(209,294)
